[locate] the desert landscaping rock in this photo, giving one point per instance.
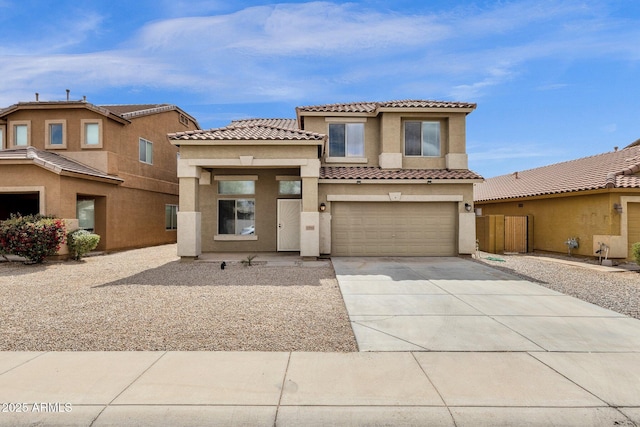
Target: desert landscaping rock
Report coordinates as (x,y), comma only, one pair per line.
(147,299)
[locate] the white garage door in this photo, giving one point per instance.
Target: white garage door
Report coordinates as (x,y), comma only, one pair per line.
(393,229)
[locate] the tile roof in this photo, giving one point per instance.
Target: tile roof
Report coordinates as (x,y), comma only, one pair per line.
(374,172)
(278,123)
(617,169)
(372,107)
(55,162)
(128,109)
(248,132)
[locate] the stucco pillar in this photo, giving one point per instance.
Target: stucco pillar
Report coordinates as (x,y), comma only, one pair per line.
(310,217)
(467,233)
(189,216)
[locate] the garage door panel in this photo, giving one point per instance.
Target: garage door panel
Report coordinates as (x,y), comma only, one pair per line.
(383,229)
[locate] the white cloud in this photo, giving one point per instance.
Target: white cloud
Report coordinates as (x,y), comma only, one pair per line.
(299,51)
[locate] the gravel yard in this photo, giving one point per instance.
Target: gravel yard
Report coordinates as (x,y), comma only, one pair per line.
(619,291)
(147,299)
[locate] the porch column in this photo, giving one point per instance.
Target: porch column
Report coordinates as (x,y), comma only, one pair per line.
(466,231)
(310,217)
(189,215)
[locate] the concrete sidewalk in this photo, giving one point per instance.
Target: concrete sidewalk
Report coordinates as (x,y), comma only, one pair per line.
(443,342)
(313,389)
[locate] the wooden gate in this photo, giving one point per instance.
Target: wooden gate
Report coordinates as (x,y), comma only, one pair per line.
(515,234)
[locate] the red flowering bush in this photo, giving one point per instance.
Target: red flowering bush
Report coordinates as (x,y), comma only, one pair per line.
(33,237)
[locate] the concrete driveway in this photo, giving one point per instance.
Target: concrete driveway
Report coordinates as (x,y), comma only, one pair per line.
(453,304)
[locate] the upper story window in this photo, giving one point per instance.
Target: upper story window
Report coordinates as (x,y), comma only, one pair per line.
(346,139)
(146,151)
(422,138)
(55,134)
(20,133)
(91,133)
(2,131)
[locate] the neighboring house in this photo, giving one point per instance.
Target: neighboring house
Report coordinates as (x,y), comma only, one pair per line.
(374,178)
(110,167)
(595,200)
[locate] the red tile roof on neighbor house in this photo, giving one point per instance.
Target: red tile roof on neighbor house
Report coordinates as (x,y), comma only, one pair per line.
(617,169)
(56,163)
(373,172)
(372,107)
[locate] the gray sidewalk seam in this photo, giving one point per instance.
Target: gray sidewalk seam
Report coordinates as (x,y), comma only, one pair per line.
(127,387)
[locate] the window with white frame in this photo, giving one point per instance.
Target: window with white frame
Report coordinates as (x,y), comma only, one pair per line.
(422,138)
(171,217)
(236,215)
(346,139)
(55,134)
(91,133)
(21,131)
(146,151)
(2,131)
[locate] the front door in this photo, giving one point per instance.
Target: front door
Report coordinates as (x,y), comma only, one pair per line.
(289,224)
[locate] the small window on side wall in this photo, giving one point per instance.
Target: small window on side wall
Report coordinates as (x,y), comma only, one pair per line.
(146,151)
(171,217)
(2,131)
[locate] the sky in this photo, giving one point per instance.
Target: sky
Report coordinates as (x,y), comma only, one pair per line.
(553,80)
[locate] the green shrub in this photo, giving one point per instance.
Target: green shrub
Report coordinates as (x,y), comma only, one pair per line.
(81,242)
(33,237)
(635,252)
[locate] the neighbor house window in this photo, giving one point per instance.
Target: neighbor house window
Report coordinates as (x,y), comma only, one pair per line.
(290,188)
(55,134)
(85,210)
(92,133)
(171,217)
(2,137)
(422,139)
(236,216)
(346,139)
(20,136)
(146,151)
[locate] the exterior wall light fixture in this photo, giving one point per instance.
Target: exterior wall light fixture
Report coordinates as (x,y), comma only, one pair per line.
(617,207)
(467,207)
(323,207)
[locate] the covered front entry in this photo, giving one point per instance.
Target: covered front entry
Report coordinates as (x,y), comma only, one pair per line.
(393,229)
(289,224)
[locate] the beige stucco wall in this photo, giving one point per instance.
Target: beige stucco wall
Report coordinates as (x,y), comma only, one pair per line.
(384,134)
(266,196)
(581,215)
(125,218)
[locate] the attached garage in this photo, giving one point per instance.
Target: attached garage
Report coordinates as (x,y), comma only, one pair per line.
(393,229)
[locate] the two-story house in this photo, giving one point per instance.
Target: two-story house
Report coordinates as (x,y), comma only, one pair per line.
(110,167)
(375,178)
